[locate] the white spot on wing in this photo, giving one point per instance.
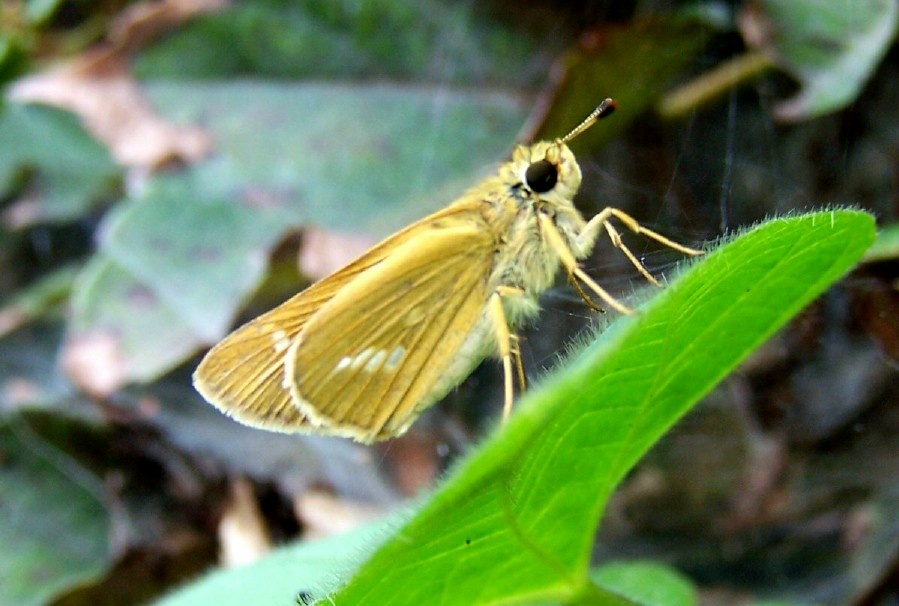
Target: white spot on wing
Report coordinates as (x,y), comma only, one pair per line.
(372,360)
(395,357)
(361,358)
(281,341)
(375,362)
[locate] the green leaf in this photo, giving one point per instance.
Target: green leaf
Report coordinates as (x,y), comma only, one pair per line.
(196,251)
(379,39)
(121,330)
(30,375)
(53,521)
(40,11)
(886,246)
(646,583)
(832,49)
(515,523)
(39,298)
(361,157)
(312,568)
(50,163)
(13,60)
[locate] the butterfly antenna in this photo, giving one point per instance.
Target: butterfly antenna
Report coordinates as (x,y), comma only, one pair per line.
(602,110)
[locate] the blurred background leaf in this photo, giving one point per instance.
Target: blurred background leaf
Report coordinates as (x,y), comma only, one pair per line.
(55,520)
(55,170)
(832,50)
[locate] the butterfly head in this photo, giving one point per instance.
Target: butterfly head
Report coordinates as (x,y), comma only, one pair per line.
(546,170)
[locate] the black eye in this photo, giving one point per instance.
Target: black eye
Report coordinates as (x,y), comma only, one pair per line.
(541,176)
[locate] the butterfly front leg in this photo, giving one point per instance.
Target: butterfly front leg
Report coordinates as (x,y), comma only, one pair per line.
(587,237)
(590,232)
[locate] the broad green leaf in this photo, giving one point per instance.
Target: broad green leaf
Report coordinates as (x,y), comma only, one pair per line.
(360,157)
(48,159)
(121,330)
(289,575)
(195,248)
(515,523)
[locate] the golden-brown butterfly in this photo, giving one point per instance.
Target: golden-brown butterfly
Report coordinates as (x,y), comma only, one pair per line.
(364,351)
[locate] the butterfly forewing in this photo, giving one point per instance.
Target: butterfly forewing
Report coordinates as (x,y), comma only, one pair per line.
(400,323)
(244,374)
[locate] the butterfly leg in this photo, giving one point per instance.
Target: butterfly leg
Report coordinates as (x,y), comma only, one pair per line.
(584,296)
(601,220)
(516,353)
(552,235)
(508,345)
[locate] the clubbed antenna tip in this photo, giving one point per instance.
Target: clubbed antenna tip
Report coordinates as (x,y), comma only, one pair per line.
(602,110)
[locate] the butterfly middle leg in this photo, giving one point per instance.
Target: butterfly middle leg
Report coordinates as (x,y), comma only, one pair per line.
(552,235)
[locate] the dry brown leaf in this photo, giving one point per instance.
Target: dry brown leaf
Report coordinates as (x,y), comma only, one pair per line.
(324,252)
(323,514)
(95,363)
(99,88)
(242,531)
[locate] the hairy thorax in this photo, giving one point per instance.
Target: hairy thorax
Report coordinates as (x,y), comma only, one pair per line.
(525,264)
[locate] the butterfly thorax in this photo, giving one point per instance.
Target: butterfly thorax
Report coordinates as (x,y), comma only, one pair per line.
(508,204)
(540,179)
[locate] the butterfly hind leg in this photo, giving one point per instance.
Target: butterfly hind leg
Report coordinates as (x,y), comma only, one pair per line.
(507,342)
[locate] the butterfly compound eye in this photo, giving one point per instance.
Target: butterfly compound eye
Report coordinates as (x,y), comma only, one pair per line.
(541,176)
